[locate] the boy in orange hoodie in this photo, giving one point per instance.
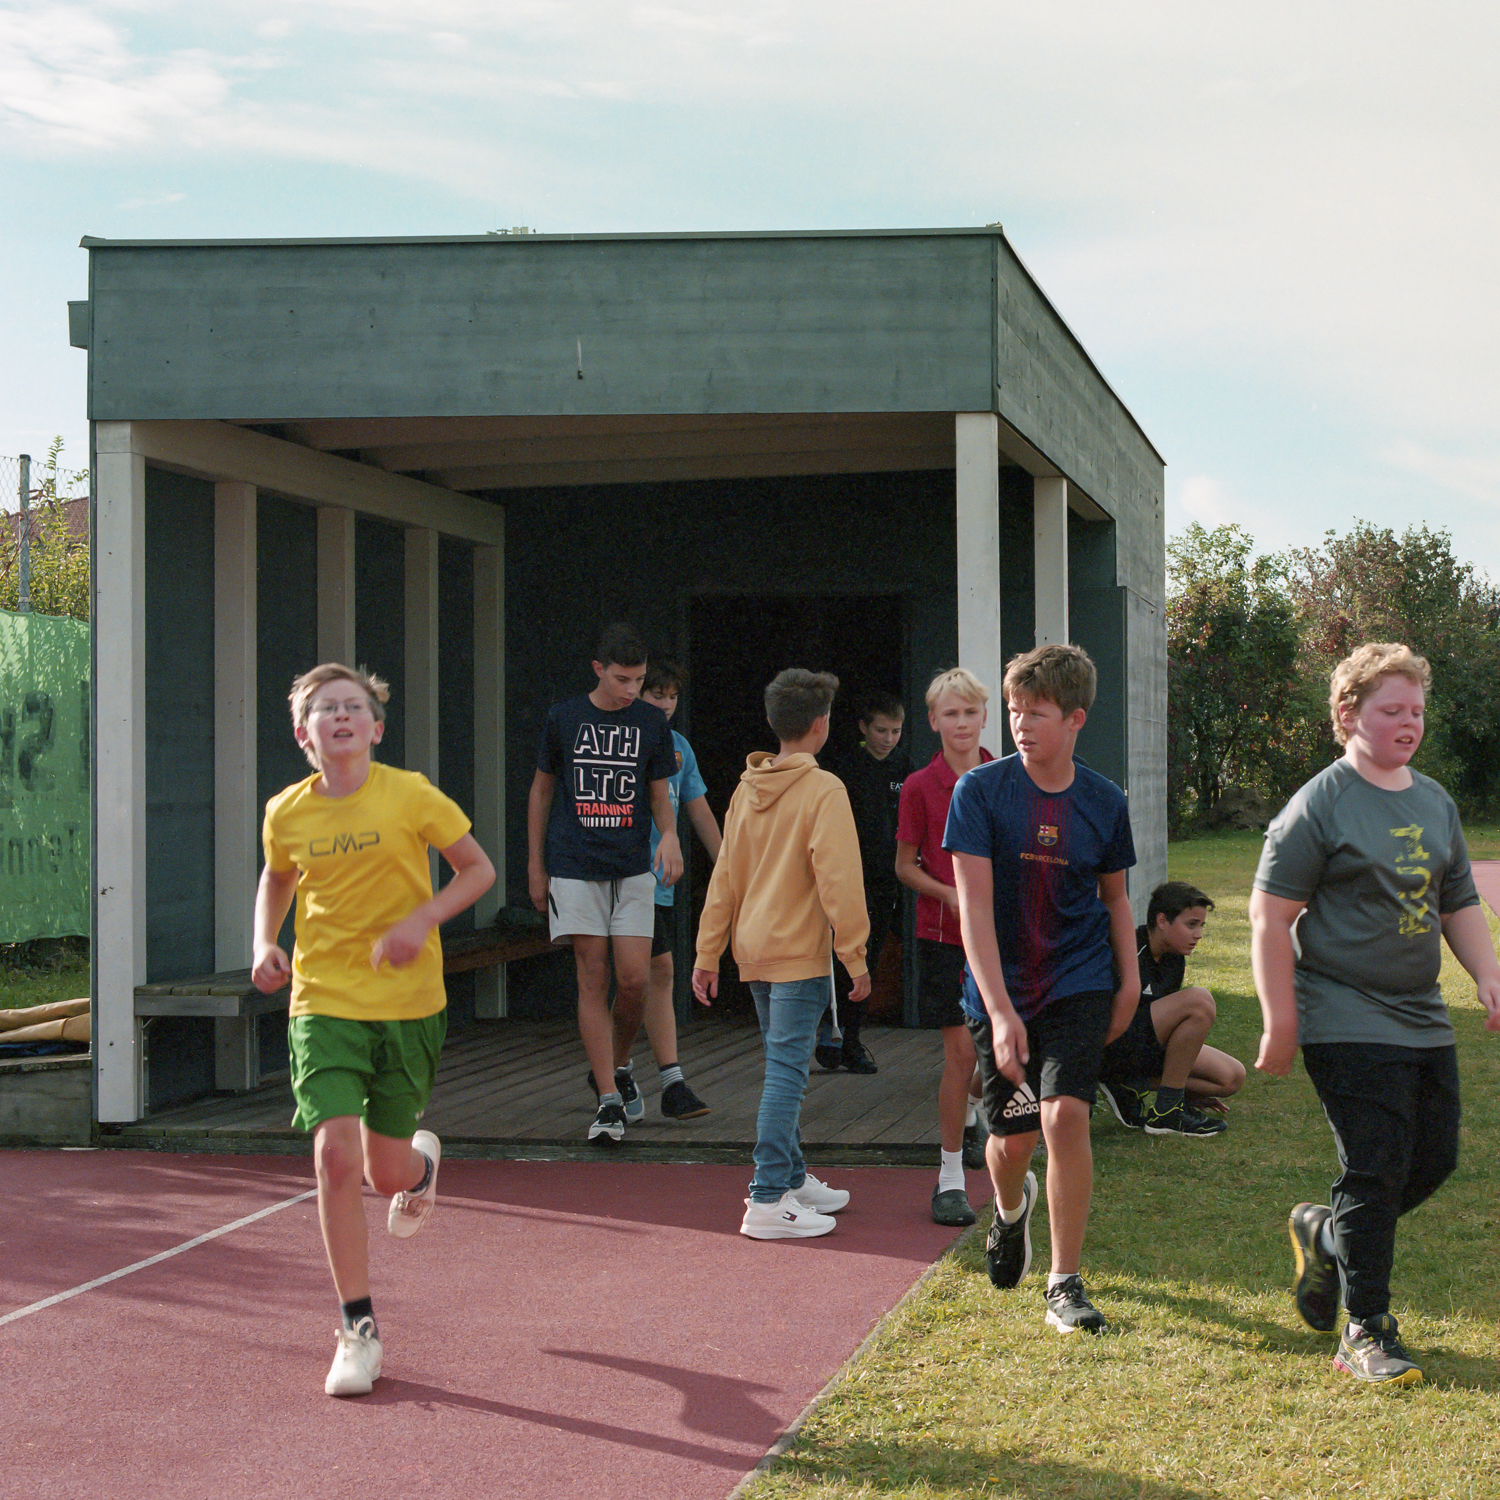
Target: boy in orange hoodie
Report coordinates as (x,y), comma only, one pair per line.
(788,869)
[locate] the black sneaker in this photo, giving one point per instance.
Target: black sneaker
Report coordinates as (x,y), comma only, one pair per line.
(828,1058)
(1069,1309)
(679,1102)
(1007,1250)
(1183,1119)
(858,1059)
(635,1106)
(609,1125)
(975,1136)
(1376,1355)
(1317,1285)
(1127,1102)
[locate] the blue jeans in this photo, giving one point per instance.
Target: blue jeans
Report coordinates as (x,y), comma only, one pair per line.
(788,1015)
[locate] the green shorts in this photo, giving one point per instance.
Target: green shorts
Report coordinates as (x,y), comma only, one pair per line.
(382,1071)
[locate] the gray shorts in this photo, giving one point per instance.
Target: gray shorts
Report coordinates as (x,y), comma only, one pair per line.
(602,908)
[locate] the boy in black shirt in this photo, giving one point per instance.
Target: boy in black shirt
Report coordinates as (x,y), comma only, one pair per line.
(589,854)
(873,777)
(1165,1038)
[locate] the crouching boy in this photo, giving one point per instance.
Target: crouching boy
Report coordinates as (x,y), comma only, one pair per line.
(1164,1046)
(787,871)
(368,1008)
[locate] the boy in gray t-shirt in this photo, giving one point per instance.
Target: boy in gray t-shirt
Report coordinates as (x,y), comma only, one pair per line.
(1363,875)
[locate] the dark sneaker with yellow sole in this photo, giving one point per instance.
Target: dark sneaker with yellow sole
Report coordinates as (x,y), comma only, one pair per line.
(1317,1285)
(1375,1353)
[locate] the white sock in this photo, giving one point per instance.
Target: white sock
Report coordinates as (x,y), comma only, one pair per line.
(1056,1278)
(951,1171)
(971,1114)
(1010,1215)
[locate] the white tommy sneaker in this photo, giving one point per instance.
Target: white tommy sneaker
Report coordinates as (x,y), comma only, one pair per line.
(819,1197)
(356,1361)
(410,1211)
(786,1219)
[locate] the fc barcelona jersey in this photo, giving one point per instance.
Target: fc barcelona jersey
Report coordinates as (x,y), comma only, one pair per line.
(1048,850)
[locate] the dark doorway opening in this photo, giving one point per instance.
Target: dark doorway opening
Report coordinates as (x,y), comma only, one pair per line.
(737,644)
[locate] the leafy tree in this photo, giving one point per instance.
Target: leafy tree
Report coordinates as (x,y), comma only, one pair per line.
(1373,585)
(1231,663)
(59,553)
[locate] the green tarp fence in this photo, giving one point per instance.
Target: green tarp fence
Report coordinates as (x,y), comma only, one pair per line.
(44,777)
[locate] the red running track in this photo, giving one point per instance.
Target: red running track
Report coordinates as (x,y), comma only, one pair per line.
(559,1329)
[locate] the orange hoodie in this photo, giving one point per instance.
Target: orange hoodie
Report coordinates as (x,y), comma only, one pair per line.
(789,868)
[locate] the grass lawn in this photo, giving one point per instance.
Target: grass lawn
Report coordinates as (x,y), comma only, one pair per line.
(61,972)
(1208,1385)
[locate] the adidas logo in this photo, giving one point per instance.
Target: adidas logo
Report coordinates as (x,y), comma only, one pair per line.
(1019,1107)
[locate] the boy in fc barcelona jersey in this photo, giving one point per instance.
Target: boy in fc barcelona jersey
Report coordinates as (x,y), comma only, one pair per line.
(1040,847)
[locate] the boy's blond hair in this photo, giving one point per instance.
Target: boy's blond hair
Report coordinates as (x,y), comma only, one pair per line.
(959,680)
(303,688)
(1063,675)
(1359,674)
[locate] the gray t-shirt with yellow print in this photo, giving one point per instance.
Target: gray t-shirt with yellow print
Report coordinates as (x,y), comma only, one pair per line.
(1377,870)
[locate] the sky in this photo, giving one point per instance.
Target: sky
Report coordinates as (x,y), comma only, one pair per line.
(1273,227)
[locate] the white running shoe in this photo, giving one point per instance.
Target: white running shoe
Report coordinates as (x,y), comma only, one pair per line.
(786,1219)
(819,1197)
(410,1211)
(356,1361)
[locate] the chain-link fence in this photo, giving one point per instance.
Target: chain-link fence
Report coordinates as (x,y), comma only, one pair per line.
(44,563)
(47,482)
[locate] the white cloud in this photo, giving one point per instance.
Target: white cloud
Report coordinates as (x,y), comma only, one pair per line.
(159,200)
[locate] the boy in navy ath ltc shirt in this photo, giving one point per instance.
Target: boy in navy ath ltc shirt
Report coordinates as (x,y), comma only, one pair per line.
(600,783)
(1040,848)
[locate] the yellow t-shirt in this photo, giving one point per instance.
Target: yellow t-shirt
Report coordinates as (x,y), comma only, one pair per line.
(363,864)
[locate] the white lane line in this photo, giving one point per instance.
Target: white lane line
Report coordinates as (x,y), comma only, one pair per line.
(140,1265)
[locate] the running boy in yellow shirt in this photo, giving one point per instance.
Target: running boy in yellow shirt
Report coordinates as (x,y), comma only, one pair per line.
(368,1009)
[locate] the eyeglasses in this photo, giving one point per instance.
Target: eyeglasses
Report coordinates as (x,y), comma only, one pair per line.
(354,707)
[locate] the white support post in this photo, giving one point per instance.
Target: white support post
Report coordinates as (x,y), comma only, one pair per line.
(1050,514)
(489,756)
(236,814)
(119,589)
(421,688)
(336,585)
(977,451)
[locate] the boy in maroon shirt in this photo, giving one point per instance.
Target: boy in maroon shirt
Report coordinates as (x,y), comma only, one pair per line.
(956,711)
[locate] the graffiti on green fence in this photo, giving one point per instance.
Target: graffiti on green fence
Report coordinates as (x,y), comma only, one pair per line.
(44,777)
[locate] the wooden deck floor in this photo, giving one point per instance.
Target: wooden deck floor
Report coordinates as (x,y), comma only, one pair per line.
(520,1084)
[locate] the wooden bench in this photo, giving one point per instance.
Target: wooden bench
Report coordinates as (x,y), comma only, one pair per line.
(235,1004)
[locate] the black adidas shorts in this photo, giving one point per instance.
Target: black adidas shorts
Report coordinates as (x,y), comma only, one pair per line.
(1066,1047)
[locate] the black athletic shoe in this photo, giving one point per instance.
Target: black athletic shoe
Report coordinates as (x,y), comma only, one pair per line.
(951,1207)
(975,1136)
(1007,1250)
(635,1106)
(1127,1102)
(609,1125)
(1317,1285)
(828,1058)
(1376,1354)
(1183,1119)
(858,1059)
(679,1102)
(1069,1309)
